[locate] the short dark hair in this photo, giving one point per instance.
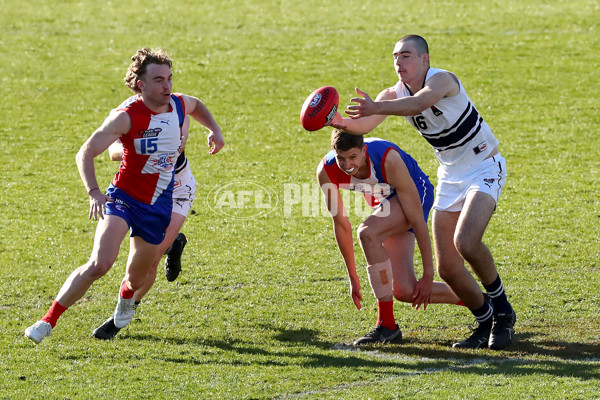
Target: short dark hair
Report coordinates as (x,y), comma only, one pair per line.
(343,141)
(420,43)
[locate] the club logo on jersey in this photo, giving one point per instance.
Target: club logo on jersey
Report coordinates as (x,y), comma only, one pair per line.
(164,161)
(436,111)
(150,132)
(480,148)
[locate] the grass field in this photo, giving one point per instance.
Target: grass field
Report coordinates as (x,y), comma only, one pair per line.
(262,308)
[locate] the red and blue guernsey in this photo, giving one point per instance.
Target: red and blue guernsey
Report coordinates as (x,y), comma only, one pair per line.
(376,187)
(150,150)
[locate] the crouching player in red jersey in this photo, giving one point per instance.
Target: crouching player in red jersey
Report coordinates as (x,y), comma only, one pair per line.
(139,198)
(402,196)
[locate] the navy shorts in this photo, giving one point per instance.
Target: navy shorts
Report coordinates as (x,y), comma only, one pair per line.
(145,220)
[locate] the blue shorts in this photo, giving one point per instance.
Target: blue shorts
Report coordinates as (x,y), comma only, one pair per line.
(426,194)
(145,220)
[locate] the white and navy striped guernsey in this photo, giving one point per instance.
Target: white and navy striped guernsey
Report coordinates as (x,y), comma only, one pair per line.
(453,127)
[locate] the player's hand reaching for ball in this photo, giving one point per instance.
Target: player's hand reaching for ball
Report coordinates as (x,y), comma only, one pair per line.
(98,203)
(338,122)
(364,106)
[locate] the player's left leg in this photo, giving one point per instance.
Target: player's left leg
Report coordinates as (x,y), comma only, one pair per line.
(108,329)
(141,256)
(386,221)
(471,225)
(172,232)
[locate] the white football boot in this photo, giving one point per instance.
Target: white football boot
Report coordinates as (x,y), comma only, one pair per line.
(124,311)
(38,331)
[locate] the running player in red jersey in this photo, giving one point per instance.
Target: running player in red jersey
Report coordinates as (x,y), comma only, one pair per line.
(184,190)
(139,199)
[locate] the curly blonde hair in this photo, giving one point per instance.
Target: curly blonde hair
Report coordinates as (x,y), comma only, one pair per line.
(141,60)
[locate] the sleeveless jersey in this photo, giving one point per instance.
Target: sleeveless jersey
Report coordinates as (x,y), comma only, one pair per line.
(375,188)
(453,127)
(150,150)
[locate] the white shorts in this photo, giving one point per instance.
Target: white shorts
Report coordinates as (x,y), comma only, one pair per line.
(487,177)
(184,191)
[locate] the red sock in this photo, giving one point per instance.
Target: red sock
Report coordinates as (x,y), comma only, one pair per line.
(385,314)
(460,303)
(125,292)
(54,312)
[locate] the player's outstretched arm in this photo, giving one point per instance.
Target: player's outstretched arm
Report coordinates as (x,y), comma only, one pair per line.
(198,110)
(363,125)
(441,85)
(342,230)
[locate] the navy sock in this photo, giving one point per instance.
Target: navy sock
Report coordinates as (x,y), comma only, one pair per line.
(483,314)
(496,292)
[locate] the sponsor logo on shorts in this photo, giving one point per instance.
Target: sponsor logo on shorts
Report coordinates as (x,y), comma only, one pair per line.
(120,205)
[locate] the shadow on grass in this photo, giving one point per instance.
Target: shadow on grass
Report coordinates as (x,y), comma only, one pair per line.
(302,347)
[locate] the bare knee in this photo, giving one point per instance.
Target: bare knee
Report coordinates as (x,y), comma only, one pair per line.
(466,246)
(450,272)
(97,268)
(403,292)
(366,236)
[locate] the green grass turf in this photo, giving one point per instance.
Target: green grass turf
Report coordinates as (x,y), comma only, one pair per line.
(262,308)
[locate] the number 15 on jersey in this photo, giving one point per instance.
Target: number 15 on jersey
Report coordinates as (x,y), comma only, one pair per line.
(146,145)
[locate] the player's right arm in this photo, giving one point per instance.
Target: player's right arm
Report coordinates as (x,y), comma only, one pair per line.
(114,126)
(342,230)
(362,126)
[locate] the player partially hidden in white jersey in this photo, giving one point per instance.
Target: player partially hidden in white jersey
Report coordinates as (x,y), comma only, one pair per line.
(184,190)
(471,175)
(139,199)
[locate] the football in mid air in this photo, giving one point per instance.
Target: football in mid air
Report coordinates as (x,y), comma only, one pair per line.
(319,108)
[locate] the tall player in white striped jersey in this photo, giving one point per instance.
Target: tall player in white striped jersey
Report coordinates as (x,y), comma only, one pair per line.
(139,199)
(471,175)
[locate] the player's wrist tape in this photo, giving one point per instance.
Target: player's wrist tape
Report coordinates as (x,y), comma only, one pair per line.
(380,278)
